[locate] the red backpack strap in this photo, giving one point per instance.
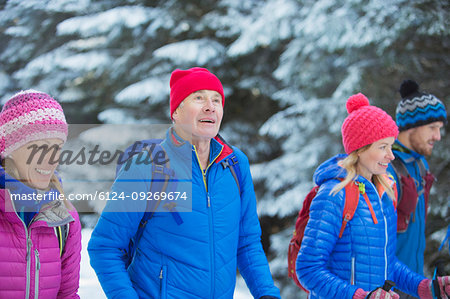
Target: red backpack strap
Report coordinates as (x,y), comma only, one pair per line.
(351,203)
(352,191)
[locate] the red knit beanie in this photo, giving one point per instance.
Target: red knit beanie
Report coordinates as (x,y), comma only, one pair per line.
(185,82)
(365,124)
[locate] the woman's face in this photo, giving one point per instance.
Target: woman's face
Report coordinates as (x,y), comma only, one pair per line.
(36,161)
(376,158)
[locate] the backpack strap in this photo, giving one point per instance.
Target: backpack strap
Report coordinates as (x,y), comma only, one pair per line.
(62,232)
(422,169)
(232,163)
(160,178)
(352,192)
(372,212)
(423,173)
(400,170)
(362,190)
(446,239)
(399,167)
(161,175)
(351,203)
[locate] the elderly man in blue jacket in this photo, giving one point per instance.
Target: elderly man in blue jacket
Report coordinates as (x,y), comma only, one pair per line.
(196,253)
(420,117)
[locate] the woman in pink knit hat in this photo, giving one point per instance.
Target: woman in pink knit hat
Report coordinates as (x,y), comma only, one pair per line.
(40,231)
(354,260)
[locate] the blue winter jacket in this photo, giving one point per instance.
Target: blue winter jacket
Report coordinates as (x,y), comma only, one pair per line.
(197,258)
(364,257)
(411,243)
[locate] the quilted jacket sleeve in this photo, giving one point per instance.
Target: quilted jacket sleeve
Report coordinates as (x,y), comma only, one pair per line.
(70,260)
(406,279)
(112,234)
(321,235)
(252,262)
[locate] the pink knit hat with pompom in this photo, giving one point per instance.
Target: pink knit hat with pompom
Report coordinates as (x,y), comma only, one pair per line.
(29,116)
(365,124)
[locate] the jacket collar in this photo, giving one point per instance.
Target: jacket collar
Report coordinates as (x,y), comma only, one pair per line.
(404,153)
(16,187)
(219,148)
(53,212)
(226,148)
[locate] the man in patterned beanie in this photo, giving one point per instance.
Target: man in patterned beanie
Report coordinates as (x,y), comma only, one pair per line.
(420,117)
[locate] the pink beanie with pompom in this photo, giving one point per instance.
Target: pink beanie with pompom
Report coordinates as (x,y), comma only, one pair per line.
(365,124)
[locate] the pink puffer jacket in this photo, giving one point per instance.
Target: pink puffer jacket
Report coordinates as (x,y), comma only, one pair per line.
(30,261)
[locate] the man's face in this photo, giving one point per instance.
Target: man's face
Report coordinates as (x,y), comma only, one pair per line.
(422,138)
(199,115)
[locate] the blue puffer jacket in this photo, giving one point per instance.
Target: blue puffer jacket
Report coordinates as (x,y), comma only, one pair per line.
(333,267)
(197,258)
(411,243)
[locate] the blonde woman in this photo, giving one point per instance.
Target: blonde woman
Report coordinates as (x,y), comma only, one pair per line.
(356,265)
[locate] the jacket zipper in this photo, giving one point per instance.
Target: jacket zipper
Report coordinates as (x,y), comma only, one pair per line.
(29,245)
(36,275)
(352,277)
(210,216)
(385,232)
(163,282)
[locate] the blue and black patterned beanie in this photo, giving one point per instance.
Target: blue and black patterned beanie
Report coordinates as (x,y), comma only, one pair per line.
(418,108)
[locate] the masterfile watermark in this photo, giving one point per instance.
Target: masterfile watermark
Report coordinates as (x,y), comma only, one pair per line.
(126,167)
(102,196)
(95,156)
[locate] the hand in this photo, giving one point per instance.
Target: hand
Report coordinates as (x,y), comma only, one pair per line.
(442,283)
(382,294)
(377,293)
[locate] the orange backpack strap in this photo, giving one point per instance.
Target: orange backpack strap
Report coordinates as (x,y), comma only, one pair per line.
(372,212)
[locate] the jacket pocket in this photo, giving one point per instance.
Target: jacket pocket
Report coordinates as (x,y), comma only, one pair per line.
(163,282)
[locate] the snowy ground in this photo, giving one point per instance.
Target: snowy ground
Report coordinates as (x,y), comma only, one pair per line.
(90,287)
